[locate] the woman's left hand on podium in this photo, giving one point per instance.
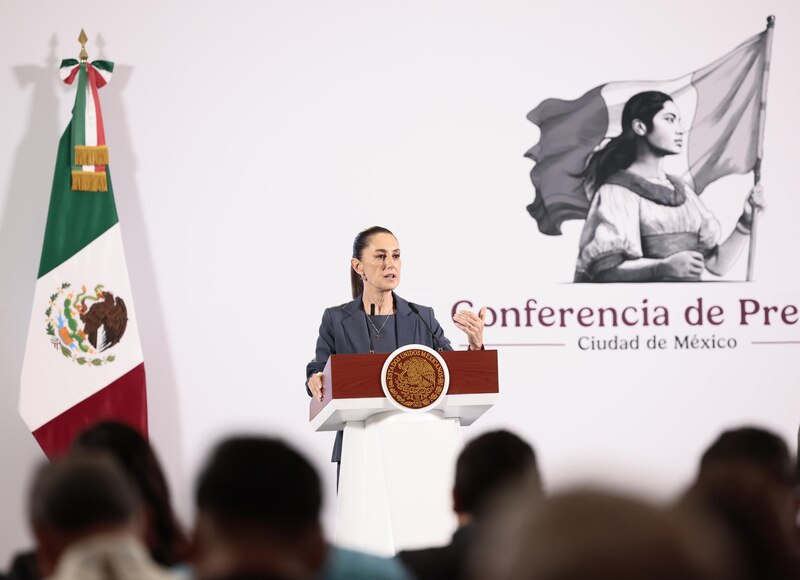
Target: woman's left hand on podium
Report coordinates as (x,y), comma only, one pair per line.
(315,385)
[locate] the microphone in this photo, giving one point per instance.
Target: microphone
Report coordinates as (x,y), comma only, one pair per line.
(415,310)
(371,313)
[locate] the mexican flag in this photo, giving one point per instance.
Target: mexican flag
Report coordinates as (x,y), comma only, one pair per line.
(721,107)
(83,359)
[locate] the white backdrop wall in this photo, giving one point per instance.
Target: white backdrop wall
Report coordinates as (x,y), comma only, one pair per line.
(250,141)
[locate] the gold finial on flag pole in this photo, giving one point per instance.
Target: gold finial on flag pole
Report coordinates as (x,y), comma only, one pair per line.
(84,56)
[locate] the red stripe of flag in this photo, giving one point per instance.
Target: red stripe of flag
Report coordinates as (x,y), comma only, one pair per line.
(124,400)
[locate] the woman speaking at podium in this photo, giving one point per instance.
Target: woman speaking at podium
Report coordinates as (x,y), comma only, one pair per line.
(377,319)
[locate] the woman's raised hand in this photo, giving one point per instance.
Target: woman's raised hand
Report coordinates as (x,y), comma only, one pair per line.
(471,324)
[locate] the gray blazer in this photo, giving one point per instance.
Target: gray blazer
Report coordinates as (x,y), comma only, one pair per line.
(344,331)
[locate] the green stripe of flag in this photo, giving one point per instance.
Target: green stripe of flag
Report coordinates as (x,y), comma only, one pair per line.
(75,218)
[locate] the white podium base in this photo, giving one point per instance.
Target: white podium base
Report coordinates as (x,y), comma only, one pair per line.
(396,482)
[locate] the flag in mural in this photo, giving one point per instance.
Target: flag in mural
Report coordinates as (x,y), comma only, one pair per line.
(720,105)
(83,358)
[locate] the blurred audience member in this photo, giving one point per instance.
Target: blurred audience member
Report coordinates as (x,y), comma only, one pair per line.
(590,535)
(797,459)
(259,503)
(165,539)
(24,566)
(746,480)
(754,446)
(87,522)
(487,464)
(797,489)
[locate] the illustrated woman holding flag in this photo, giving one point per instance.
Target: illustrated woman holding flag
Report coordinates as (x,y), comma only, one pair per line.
(643,224)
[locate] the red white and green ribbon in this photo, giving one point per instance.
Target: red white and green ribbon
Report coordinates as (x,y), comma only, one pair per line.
(89,149)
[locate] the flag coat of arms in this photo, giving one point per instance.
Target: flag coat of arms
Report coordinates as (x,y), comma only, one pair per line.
(722,108)
(83,357)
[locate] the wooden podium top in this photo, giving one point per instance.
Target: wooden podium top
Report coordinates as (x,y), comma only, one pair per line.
(352,388)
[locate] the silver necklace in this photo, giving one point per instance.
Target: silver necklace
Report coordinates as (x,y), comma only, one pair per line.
(378,330)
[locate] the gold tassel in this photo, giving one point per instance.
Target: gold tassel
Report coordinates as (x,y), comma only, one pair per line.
(91,155)
(89,181)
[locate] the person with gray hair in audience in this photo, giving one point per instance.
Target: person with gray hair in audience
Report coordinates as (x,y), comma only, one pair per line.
(85,515)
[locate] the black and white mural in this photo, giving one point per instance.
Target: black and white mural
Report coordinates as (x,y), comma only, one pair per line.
(632,158)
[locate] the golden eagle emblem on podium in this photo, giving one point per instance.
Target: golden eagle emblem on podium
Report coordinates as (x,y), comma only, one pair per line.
(415,378)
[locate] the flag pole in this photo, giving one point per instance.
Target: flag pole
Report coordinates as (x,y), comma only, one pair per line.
(751,255)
